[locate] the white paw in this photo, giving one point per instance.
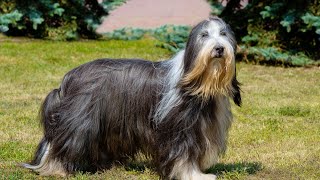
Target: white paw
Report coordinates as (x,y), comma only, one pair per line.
(202,177)
(209,177)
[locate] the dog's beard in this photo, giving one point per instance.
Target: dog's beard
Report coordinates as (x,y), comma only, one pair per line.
(210,75)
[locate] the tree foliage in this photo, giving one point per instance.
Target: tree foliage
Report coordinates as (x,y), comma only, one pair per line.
(61,19)
(283,30)
(272,32)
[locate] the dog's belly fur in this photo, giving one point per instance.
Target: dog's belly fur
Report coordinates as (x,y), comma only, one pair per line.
(216,135)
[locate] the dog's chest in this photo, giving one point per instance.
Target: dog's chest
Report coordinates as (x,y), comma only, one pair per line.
(215,132)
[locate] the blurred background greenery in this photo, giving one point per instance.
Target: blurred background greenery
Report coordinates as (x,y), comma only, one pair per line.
(274,32)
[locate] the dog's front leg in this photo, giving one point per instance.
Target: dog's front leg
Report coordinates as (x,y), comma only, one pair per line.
(185,170)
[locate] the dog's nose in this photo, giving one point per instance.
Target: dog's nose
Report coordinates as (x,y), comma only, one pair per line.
(218,51)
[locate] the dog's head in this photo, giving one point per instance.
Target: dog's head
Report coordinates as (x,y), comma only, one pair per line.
(209,60)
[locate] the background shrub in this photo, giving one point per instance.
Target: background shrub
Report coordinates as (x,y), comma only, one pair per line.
(171,37)
(272,31)
(275,31)
(58,20)
(126,34)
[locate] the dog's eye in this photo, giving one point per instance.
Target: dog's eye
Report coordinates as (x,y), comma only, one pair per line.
(205,34)
(223,33)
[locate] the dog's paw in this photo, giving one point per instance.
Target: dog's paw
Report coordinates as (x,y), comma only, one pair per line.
(202,177)
(209,177)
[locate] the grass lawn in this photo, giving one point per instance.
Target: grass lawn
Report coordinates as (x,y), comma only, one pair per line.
(276,133)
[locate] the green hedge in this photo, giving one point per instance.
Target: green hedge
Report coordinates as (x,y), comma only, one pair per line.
(57,20)
(269,32)
(275,31)
(171,37)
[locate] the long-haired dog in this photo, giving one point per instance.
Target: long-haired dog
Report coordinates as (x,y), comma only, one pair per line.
(176,112)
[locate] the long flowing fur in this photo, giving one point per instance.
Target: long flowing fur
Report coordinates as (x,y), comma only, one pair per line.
(176,112)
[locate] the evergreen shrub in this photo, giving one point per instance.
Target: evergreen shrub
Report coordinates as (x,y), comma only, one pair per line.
(275,31)
(57,20)
(171,37)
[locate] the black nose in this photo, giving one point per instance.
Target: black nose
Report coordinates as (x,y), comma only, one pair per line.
(218,52)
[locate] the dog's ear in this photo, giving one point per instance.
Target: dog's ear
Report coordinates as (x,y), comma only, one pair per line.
(236,93)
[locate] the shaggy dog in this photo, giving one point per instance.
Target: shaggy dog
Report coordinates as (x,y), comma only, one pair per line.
(176,112)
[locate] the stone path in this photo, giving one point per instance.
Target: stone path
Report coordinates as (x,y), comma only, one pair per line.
(155,13)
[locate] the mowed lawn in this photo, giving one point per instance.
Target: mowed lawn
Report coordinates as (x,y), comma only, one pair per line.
(275,135)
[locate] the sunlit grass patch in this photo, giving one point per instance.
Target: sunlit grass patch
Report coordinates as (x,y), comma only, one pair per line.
(294,111)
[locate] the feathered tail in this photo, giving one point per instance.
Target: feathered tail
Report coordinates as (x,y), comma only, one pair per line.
(49,118)
(41,156)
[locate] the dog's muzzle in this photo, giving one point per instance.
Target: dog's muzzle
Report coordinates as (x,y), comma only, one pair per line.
(217,52)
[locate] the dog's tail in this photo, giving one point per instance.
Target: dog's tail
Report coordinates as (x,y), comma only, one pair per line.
(49,119)
(44,164)
(41,156)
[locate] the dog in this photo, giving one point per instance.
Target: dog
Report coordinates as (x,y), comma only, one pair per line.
(176,112)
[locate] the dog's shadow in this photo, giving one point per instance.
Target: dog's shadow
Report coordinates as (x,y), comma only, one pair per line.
(138,166)
(237,168)
(219,169)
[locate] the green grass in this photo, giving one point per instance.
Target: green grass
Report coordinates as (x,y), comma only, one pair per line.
(276,133)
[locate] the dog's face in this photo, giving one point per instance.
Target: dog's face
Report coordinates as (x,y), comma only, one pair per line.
(217,37)
(210,58)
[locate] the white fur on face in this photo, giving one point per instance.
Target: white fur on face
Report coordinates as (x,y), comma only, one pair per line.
(218,36)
